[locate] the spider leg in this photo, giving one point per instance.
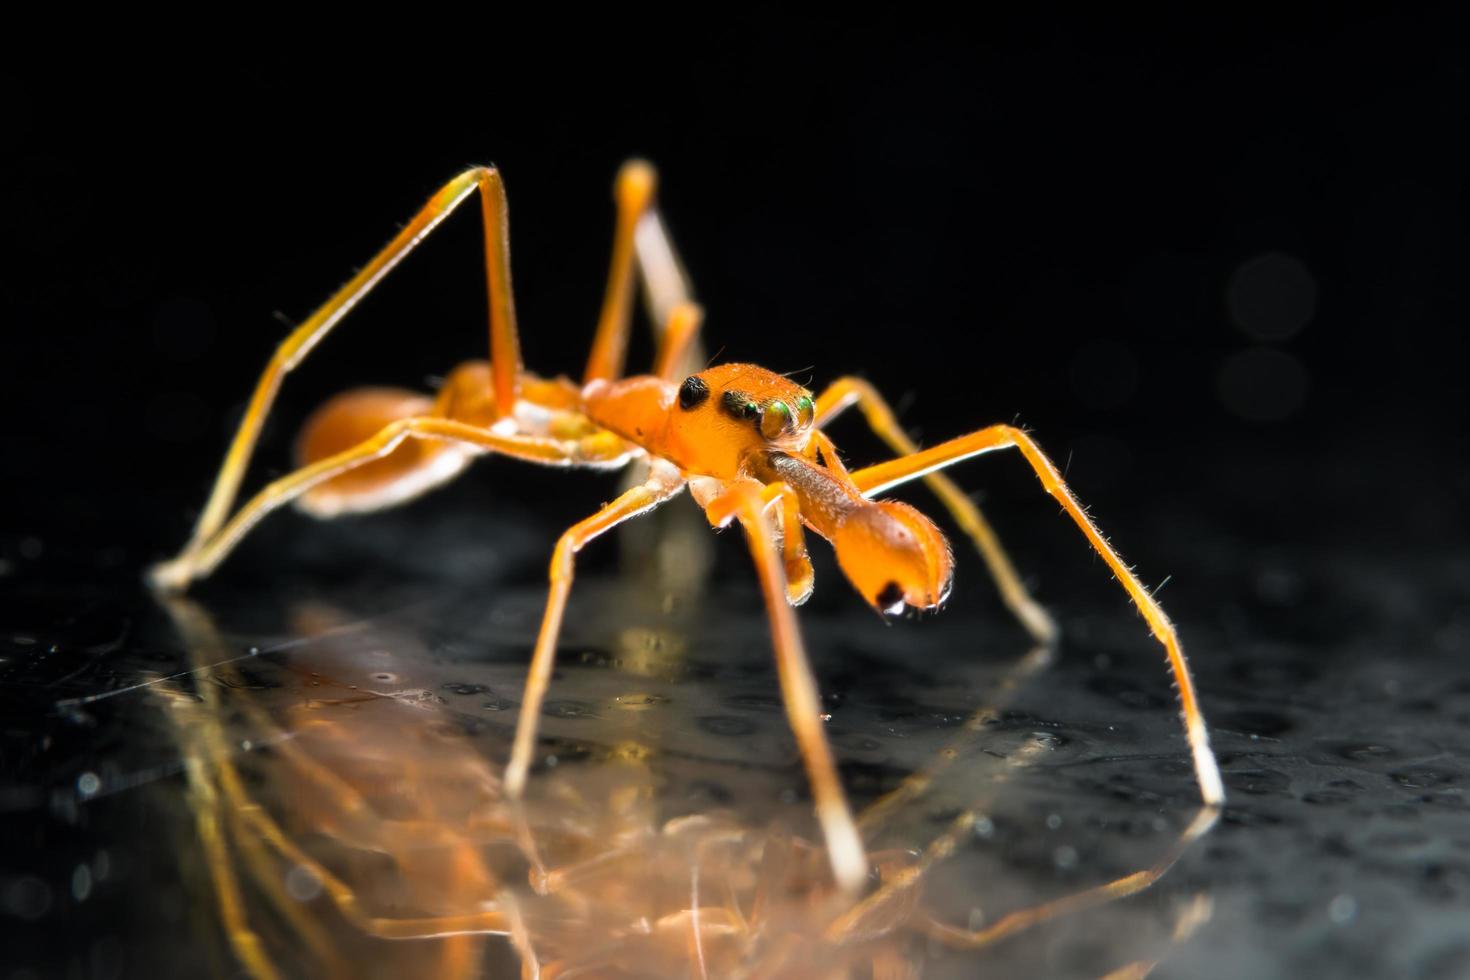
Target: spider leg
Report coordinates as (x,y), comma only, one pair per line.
(916,783)
(633,191)
(202,559)
(679,337)
(903,885)
(797,563)
(744,501)
(849,391)
(875,479)
(504,345)
(663,482)
(641,240)
(1131,884)
(222,800)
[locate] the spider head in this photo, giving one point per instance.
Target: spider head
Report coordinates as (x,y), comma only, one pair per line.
(894,556)
(726,412)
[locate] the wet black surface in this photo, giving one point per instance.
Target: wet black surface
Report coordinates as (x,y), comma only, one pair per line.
(1334,679)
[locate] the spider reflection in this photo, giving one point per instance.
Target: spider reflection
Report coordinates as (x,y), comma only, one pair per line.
(352,824)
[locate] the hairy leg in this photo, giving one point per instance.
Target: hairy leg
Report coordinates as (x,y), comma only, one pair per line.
(875,479)
(850,391)
(663,482)
(294,349)
(744,501)
(201,560)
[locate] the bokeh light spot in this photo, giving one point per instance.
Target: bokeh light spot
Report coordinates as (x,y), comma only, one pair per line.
(1272,296)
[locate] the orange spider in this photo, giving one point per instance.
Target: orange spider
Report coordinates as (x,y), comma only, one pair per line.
(746,441)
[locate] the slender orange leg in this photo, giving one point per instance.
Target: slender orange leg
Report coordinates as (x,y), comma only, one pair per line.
(823,445)
(875,479)
(798,688)
(504,345)
(855,391)
(680,334)
(664,283)
(199,561)
(641,240)
(633,191)
(663,482)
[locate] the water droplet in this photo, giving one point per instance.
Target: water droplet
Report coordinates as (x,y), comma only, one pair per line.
(465,688)
(1424,778)
(984,828)
(302,883)
(88,784)
(1065,857)
(1342,910)
(1053,821)
(26,897)
(1365,753)
(639,701)
(569,709)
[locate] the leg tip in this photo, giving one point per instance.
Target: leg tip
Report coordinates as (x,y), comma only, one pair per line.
(635,185)
(514,785)
(167,577)
(1039,623)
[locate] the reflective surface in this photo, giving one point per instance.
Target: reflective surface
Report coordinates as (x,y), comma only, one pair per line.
(297,773)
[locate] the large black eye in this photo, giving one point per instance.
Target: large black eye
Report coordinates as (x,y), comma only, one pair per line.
(693,392)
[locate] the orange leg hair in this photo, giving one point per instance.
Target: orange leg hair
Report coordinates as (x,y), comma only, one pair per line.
(199,561)
(746,502)
(504,345)
(664,481)
(850,391)
(875,479)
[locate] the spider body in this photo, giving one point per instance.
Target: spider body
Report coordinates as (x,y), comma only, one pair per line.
(749,443)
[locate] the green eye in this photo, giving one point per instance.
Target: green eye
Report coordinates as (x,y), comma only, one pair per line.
(775,420)
(805,407)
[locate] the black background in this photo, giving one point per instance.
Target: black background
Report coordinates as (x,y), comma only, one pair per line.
(1034,219)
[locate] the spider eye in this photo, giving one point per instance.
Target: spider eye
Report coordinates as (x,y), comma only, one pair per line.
(805,410)
(775,420)
(693,392)
(740,405)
